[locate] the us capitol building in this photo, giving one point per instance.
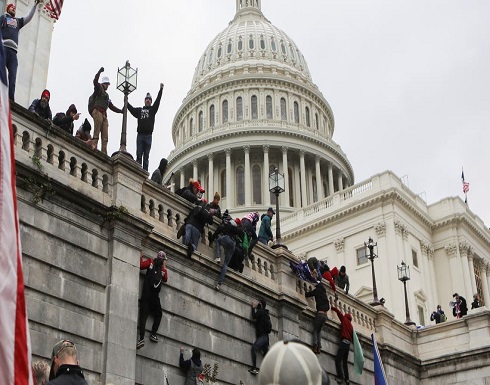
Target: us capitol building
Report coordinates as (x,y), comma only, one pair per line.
(85,218)
(253,107)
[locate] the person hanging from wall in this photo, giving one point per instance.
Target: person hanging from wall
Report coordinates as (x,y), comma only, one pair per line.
(346,336)
(146,123)
(10,27)
(156,275)
(98,103)
(249,224)
(263,328)
(322,306)
(198,217)
(192,366)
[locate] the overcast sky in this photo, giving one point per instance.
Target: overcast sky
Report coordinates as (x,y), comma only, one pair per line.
(408,81)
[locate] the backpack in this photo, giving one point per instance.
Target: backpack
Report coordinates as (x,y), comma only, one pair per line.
(245,242)
(443,317)
(267,324)
(154,277)
(91,103)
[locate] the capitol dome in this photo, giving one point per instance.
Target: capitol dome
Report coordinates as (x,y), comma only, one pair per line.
(252,108)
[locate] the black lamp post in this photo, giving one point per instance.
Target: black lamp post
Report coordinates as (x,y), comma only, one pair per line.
(127,79)
(276,186)
(404,276)
(372,246)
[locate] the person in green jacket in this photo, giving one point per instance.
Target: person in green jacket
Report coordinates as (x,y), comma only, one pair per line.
(265,232)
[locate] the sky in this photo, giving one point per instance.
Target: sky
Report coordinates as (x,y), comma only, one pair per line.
(408,81)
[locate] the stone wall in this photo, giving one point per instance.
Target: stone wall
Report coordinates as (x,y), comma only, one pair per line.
(85,218)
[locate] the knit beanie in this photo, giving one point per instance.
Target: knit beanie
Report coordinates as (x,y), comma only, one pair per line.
(148,96)
(290,363)
(46,94)
(11,5)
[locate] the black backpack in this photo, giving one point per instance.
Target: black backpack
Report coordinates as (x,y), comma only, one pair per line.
(267,324)
(154,276)
(91,103)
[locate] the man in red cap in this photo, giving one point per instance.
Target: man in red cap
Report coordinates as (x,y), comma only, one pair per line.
(10,27)
(41,106)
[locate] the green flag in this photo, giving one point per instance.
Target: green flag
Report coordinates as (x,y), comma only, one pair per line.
(358,355)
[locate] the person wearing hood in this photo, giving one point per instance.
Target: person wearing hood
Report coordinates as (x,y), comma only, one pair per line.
(40,107)
(83,133)
(346,335)
(146,123)
(101,102)
(157,175)
(265,232)
(193,366)
(329,275)
(10,27)
(322,307)
(65,120)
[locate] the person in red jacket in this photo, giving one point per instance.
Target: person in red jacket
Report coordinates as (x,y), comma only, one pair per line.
(156,274)
(346,335)
(329,275)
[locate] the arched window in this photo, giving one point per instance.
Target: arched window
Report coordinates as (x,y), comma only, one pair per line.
(222,179)
(239,108)
(225,111)
(211,116)
(317,122)
(290,186)
(220,50)
(262,42)
(191,127)
(251,42)
(256,185)
(201,121)
(307,113)
(273,44)
(229,47)
(254,107)
(240,186)
(296,112)
(284,115)
(240,43)
(268,106)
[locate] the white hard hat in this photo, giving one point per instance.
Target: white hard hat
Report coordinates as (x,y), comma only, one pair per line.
(105,79)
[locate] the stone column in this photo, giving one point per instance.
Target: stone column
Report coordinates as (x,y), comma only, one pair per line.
(485,283)
(424,249)
(210,187)
(430,255)
(330,179)
(472,272)
(182,178)
(229,183)
(195,173)
(318,174)
(454,268)
(267,195)
(285,200)
(248,180)
(341,182)
(302,169)
(464,250)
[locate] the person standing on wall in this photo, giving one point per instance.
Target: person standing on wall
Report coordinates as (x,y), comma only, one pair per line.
(146,123)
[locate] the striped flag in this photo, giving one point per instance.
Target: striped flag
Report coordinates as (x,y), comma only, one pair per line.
(466,186)
(379,370)
(54,8)
(15,354)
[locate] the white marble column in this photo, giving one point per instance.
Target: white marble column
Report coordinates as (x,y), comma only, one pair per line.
(454,269)
(472,272)
(485,272)
(330,179)
(267,195)
(248,179)
(210,187)
(302,170)
(464,250)
(318,174)
(430,255)
(182,178)
(341,182)
(285,200)
(195,174)
(229,182)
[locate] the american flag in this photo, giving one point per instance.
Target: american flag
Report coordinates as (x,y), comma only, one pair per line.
(54,8)
(466,185)
(15,354)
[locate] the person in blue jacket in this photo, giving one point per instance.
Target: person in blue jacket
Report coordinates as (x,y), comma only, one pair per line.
(265,232)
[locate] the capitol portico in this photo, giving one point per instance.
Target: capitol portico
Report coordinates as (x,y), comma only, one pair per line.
(252,108)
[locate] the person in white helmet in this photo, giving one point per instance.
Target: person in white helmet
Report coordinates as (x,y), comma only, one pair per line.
(98,104)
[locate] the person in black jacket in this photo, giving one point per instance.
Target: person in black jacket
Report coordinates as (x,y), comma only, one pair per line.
(259,314)
(460,308)
(194,226)
(146,123)
(65,120)
(64,365)
(322,307)
(157,175)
